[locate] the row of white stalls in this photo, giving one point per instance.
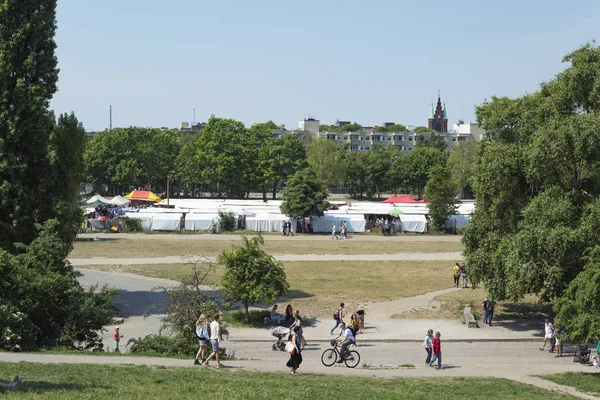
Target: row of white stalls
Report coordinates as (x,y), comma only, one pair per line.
(259,216)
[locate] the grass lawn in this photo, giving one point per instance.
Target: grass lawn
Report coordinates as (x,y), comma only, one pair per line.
(582,381)
(453,303)
(124,248)
(73,381)
(316,288)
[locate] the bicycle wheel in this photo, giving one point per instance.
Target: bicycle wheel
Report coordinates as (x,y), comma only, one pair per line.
(352,359)
(329,357)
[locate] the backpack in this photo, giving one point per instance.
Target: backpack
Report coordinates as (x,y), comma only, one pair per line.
(353,329)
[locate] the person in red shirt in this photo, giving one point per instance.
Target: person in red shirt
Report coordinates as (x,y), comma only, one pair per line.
(437,350)
(117,336)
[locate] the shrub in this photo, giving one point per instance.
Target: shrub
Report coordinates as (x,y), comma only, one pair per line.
(226,221)
(255,317)
(132,224)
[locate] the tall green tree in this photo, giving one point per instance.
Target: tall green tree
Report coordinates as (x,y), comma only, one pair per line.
(327,159)
(356,168)
(440,194)
(41,301)
(422,129)
(305,195)
(535,183)
(251,275)
(461,162)
(353,127)
(418,164)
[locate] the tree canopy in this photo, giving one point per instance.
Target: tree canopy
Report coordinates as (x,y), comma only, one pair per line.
(440,194)
(391,128)
(251,275)
(536,183)
(41,301)
(305,195)
(354,127)
(422,129)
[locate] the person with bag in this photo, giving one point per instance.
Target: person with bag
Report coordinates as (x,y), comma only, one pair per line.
(456,274)
(427,345)
(338,317)
(202,334)
(463,274)
(293,348)
(215,338)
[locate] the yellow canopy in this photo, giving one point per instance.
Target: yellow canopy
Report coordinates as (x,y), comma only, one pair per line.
(143,195)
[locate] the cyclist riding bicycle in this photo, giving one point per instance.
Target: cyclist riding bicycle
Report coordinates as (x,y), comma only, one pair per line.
(348,338)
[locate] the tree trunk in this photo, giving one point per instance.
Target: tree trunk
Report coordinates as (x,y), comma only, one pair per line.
(264,193)
(275,190)
(246,311)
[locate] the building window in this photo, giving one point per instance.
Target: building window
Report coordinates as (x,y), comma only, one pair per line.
(389,138)
(337,138)
(410,148)
(360,147)
(360,138)
(367,148)
(410,139)
(454,139)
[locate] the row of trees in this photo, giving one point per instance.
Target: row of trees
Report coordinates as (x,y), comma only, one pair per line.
(537,181)
(228,160)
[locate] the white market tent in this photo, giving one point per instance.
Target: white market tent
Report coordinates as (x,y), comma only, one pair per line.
(119,201)
(97,199)
(354,222)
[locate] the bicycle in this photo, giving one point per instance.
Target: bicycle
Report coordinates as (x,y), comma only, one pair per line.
(330,356)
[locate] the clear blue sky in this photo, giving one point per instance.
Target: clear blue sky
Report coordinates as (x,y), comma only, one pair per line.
(364,61)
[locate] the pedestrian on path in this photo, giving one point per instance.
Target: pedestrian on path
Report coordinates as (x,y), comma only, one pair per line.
(289,228)
(296,355)
(557,342)
(463,273)
(297,327)
(485,306)
(117,338)
(549,330)
(284,228)
(333,236)
(490,313)
(338,317)
(427,346)
(215,339)
(436,343)
(456,274)
(202,334)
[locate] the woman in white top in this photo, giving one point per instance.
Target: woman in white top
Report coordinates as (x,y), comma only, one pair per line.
(427,345)
(202,333)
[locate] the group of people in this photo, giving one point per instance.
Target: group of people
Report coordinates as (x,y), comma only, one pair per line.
(433,347)
(296,340)
(286,228)
(460,271)
(204,333)
(343,231)
(552,337)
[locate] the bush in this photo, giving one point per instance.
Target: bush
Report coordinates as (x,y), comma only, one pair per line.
(132,224)
(227,221)
(169,346)
(255,317)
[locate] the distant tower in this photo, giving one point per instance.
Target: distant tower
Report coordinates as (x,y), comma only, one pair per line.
(438,120)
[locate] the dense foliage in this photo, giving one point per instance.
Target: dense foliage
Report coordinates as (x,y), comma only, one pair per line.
(251,275)
(41,301)
(536,184)
(304,196)
(440,193)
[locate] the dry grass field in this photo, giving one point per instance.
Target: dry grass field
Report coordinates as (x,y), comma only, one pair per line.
(124,248)
(317,287)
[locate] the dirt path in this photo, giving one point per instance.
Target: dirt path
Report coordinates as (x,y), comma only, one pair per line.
(449,256)
(384,310)
(269,237)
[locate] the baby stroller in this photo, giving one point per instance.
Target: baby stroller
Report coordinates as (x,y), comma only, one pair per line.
(281,334)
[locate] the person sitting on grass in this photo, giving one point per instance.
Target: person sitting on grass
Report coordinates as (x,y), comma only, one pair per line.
(14,385)
(346,341)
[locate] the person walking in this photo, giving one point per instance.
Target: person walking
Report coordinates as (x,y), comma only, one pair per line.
(297,327)
(490,313)
(485,306)
(296,355)
(284,228)
(456,274)
(338,317)
(333,236)
(427,345)
(215,338)
(557,342)
(463,273)
(117,338)
(202,334)
(436,343)
(289,228)
(548,331)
